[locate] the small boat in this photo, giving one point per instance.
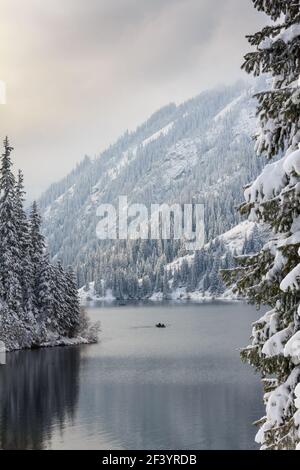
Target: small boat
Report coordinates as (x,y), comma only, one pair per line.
(160,325)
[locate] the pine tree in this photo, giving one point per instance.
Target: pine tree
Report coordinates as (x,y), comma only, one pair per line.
(146,287)
(176,279)
(256,240)
(272,275)
(37,300)
(10,256)
(215,280)
(59,309)
(72,303)
(37,247)
(45,288)
(24,240)
(159,276)
(166,286)
(98,286)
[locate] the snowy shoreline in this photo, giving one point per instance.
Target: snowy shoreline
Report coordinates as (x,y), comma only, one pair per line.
(88,296)
(186,300)
(53,343)
(179,295)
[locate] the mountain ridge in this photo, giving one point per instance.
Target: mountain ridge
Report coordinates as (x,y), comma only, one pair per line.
(198,151)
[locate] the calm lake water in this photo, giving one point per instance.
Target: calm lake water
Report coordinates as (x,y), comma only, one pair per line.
(182,387)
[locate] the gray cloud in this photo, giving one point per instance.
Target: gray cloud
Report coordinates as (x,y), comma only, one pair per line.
(79,73)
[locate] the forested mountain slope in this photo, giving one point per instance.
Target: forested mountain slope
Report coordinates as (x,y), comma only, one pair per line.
(200,151)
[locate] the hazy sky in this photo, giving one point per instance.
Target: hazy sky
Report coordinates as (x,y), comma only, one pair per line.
(80,72)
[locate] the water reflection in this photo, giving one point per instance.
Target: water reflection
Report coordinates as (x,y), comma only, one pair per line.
(38,389)
(139,388)
(164,406)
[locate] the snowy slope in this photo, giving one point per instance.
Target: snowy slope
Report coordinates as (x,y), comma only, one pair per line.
(233,240)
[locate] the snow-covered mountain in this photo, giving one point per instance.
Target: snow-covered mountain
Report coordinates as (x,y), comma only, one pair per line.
(215,254)
(200,151)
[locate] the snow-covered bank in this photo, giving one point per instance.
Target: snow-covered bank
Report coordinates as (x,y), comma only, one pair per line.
(54,342)
(66,342)
(181,294)
(178,294)
(88,294)
(88,335)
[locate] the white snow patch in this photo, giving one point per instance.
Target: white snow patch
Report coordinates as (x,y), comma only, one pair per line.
(178,160)
(234,239)
(126,157)
(279,401)
(88,295)
(228,108)
(292,280)
(292,163)
(164,131)
(292,349)
(275,345)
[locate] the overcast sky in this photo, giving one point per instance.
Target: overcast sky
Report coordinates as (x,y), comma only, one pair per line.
(79,73)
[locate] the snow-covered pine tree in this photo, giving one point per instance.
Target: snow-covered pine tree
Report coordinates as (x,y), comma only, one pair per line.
(59,311)
(12,330)
(272,276)
(166,287)
(215,280)
(72,302)
(37,247)
(38,301)
(45,288)
(10,287)
(192,279)
(146,287)
(256,240)
(24,239)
